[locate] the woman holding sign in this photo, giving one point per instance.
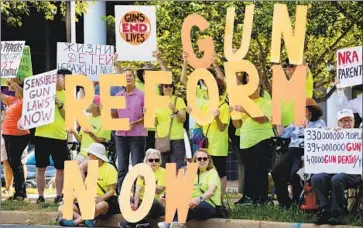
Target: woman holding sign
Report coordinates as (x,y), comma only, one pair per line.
(15,138)
(285,172)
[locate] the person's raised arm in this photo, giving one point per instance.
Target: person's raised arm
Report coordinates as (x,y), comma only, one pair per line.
(161,62)
(117,64)
(4,98)
(17,88)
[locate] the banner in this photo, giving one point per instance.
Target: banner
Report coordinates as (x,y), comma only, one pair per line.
(333,151)
(38,103)
(11,52)
(85,59)
(135,28)
(349,66)
(25,67)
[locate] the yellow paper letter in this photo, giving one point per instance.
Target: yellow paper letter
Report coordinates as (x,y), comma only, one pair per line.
(294,41)
(239,94)
(205,45)
(200,117)
(112,102)
(285,89)
(153,101)
(85,194)
(75,106)
(129,215)
(179,191)
(246,37)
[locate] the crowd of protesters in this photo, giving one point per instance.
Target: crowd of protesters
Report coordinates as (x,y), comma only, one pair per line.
(210,148)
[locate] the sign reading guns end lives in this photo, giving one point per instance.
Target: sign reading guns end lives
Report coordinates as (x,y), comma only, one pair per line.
(331,151)
(38,104)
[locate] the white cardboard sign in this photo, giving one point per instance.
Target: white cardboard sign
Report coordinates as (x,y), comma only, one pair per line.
(349,66)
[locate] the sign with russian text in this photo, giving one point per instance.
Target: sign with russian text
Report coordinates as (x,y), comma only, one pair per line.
(135,33)
(333,151)
(349,66)
(11,52)
(38,104)
(85,59)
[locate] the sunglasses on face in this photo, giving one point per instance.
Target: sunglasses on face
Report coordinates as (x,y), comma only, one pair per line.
(156,160)
(202,159)
(168,86)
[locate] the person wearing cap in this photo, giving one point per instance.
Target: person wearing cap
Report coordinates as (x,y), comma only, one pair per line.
(285,171)
(16,139)
(322,183)
(51,139)
(88,136)
(132,140)
(106,197)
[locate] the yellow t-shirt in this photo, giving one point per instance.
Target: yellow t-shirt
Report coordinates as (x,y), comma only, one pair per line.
(163,117)
(218,140)
(238,131)
(160,178)
(97,130)
(57,129)
(253,132)
(205,179)
(107,175)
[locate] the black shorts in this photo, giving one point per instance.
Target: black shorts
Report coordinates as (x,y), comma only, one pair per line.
(221,165)
(113,207)
(48,146)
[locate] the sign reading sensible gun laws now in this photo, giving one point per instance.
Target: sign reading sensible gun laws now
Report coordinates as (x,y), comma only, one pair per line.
(11,52)
(38,103)
(333,151)
(86,59)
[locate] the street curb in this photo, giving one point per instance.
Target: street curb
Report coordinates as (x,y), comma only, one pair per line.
(48,218)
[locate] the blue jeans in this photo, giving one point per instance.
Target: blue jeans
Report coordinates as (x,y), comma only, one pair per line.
(124,146)
(203,211)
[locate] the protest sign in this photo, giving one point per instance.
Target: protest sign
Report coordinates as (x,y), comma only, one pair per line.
(135,33)
(11,52)
(332,151)
(85,59)
(349,66)
(25,67)
(38,103)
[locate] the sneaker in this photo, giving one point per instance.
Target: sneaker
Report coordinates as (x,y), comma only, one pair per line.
(177,225)
(143,225)
(336,219)
(245,200)
(58,199)
(124,225)
(163,225)
(40,200)
(17,198)
(69,223)
(90,223)
(322,217)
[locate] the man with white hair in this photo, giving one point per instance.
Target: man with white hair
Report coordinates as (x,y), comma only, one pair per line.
(322,183)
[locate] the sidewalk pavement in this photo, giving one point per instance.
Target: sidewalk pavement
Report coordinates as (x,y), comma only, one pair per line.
(42,218)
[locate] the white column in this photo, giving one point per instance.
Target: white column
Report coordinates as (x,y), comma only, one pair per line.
(332,110)
(95,31)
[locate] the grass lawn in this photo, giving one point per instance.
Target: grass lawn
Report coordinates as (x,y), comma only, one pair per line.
(8,205)
(35,191)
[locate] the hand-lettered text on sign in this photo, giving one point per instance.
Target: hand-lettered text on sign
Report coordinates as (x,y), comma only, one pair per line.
(350,66)
(11,52)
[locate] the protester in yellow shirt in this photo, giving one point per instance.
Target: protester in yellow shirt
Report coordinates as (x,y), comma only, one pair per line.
(88,136)
(255,150)
(51,139)
(176,113)
(206,193)
(106,198)
(153,159)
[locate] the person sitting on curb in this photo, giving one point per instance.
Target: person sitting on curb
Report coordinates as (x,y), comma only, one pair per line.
(153,159)
(206,193)
(331,210)
(106,199)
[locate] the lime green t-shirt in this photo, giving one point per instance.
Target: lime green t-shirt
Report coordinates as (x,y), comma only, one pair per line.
(160,178)
(218,140)
(107,175)
(253,132)
(97,130)
(163,117)
(57,129)
(207,178)
(238,131)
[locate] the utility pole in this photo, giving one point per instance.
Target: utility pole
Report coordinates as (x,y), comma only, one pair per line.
(71,21)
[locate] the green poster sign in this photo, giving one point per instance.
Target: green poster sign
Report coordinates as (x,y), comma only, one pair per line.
(25,66)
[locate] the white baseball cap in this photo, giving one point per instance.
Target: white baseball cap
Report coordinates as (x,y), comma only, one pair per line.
(98,150)
(345,113)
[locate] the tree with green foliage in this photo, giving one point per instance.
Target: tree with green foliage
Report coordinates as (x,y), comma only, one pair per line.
(330,26)
(14,11)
